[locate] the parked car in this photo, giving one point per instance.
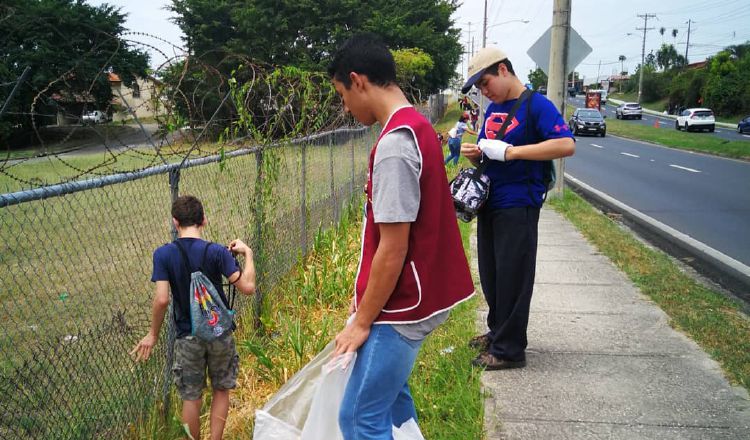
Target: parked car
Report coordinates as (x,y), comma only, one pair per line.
(587,121)
(744,125)
(628,110)
(696,119)
(572,91)
(95,117)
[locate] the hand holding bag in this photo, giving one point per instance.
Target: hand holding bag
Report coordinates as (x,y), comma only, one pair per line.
(470,189)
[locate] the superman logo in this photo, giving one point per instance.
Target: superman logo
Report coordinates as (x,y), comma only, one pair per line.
(494,122)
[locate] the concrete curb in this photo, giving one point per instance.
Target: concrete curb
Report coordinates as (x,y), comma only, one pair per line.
(725,270)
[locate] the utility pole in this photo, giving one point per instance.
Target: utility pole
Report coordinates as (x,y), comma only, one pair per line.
(687,45)
(645,28)
(597,72)
(558,70)
(484,28)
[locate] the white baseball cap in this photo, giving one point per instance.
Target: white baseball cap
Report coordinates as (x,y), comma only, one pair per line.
(482,60)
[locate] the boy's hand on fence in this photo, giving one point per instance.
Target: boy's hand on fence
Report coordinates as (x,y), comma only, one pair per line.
(239,247)
(142,350)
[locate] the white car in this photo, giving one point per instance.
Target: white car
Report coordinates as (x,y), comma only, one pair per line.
(696,119)
(628,110)
(94,117)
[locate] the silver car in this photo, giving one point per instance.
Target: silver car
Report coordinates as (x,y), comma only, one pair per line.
(628,110)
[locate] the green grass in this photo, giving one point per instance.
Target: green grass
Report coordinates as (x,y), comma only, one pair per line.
(716,323)
(700,142)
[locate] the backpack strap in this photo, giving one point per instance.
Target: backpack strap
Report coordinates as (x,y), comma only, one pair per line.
(501,133)
(185,259)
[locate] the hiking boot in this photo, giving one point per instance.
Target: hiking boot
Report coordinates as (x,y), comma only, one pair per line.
(490,362)
(481,342)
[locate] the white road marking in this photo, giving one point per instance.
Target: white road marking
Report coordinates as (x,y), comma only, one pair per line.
(652,160)
(597,146)
(630,155)
(684,168)
(746,135)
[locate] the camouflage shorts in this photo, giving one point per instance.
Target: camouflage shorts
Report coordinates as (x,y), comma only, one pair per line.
(191,359)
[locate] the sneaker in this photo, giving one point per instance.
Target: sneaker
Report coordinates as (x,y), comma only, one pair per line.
(481,342)
(490,362)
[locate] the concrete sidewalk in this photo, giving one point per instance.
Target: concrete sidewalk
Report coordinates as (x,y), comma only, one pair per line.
(603,362)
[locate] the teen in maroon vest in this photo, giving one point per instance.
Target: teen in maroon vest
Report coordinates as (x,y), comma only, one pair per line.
(435,275)
(413,268)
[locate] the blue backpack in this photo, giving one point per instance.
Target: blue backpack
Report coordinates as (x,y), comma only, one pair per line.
(209,316)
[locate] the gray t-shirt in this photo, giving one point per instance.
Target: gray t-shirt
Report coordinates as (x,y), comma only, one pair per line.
(395,199)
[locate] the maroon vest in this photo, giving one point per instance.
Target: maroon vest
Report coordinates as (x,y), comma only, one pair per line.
(436,275)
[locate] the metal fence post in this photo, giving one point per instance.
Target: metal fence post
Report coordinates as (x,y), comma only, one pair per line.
(351,182)
(174,189)
(333,186)
(303,203)
(259,258)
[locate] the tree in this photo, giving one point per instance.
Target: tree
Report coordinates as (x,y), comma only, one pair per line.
(537,78)
(304,33)
(621,59)
(674,33)
(68,45)
(412,65)
(667,57)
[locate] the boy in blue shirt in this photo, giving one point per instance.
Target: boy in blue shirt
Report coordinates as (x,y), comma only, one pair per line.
(508,224)
(194,356)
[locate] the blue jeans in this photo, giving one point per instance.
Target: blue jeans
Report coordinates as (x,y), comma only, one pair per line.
(377,395)
(454,146)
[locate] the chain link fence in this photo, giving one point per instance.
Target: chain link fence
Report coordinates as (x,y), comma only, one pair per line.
(75,260)
(84,205)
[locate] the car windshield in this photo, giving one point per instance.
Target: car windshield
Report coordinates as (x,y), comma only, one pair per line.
(704,113)
(590,114)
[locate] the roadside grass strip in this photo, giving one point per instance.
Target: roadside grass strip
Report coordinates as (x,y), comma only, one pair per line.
(711,319)
(700,142)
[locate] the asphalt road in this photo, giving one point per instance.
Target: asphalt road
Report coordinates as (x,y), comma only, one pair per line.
(664,122)
(705,197)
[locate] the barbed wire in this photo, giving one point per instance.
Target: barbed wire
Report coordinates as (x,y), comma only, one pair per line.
(192,106)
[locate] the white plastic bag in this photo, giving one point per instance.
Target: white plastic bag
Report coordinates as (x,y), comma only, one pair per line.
(307,406)
(285,416)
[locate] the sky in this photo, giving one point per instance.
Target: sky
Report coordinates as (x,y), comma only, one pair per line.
(604,24)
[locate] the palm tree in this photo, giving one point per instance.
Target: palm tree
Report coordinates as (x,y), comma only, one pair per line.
(674,34)
(661,32)
(621,58)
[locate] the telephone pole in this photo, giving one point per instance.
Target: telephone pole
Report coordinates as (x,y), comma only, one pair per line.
(645,28)
(687,45)
(558,72)
(484,28)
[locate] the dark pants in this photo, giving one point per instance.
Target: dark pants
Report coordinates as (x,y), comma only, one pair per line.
(506,245)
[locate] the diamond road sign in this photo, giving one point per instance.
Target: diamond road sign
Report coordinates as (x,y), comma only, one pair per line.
(578,49)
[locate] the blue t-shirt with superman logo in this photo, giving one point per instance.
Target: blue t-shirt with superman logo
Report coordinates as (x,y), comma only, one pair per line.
(518,183)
